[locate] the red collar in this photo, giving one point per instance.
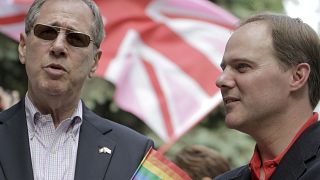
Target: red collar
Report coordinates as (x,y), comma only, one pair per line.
(269,166)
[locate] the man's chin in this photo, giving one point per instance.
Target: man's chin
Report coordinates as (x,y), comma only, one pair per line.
(232,122)
(54,91)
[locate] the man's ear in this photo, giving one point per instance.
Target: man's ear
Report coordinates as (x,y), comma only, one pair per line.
(22,48)
(95,64)
(300,75)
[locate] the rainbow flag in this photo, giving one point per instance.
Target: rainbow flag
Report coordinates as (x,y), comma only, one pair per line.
(155,166)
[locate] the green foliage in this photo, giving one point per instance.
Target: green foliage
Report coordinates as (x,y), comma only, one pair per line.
(8,49)
(233,145)
(98,95)
(245,8)
(12,73)
(97,91)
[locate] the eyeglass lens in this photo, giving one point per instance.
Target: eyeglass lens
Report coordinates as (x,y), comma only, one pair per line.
(47,32)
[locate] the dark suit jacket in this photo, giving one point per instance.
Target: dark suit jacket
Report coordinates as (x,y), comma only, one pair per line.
(302,161)
(128,148)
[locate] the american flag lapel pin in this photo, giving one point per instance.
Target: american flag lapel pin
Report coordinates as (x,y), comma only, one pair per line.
(105,150)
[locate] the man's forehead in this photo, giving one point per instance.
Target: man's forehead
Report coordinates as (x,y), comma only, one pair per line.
(253,28)
(70,14)
(255,35)
(64,5)
(250,41)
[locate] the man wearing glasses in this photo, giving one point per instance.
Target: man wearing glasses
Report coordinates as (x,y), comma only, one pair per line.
(51,134)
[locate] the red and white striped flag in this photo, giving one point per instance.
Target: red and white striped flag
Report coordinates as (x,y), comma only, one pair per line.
(163,56)
(12,13)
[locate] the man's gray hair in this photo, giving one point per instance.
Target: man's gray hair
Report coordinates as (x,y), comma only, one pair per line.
(97,27)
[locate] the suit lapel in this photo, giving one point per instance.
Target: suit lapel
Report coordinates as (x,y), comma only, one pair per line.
(294,163)
(92,164)
(291,166)
(243,173)
(15,152)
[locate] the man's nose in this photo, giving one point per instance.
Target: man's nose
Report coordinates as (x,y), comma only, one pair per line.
(225,80)
(59,45)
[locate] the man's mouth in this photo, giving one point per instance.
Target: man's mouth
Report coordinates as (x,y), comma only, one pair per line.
(56,66)
(55,70)
(228,100)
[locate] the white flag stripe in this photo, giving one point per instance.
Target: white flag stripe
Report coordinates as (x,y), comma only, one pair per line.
(8,9)
(147,100)
(137,95)
(146,105)
(176,86)
(205,108)
(13,30)
(116,66)
(201,9)
(212,37)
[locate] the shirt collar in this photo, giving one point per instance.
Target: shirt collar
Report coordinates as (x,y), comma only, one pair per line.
(269,166)
(33,115)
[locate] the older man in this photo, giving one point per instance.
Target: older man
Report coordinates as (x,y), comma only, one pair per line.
(51,134)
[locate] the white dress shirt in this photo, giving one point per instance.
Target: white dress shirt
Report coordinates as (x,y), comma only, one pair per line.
(53,150)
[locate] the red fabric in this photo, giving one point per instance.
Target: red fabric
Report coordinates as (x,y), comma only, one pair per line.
(269,166)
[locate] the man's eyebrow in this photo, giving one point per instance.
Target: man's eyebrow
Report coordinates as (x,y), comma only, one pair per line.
(236,60)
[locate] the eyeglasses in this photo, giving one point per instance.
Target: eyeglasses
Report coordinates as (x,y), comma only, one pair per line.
(74,38)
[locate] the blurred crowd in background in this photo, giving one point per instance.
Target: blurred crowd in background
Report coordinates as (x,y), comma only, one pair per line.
(8,98)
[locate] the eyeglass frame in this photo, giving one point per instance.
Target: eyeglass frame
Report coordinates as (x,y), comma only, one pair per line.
(67,31)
